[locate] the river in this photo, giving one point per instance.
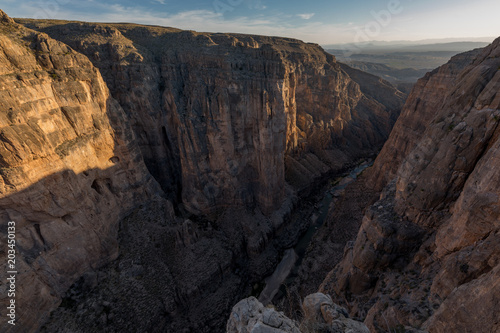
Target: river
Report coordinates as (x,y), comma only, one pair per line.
(290,263)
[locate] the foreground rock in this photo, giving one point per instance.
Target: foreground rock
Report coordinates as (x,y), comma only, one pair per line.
(320,315)
(249,315)
(427,253)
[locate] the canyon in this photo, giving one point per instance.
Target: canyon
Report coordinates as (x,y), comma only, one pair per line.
(426,254)
(225,110)
(425,258)
(151,172)
(156,176)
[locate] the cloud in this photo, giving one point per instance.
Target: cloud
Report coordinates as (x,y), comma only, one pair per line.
(438,24)
(256,4)
(267,23)
(161,2)
(306,16)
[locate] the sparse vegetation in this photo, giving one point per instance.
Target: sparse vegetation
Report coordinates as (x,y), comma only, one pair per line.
(53,75)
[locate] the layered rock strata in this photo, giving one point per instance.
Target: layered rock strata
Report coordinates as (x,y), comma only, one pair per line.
(216,114)
(427,254)
(426,97)
(221,121)
(69,169)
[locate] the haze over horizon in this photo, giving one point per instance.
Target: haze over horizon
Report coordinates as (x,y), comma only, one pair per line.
(323,22)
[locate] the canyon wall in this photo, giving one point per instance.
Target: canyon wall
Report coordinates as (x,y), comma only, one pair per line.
(91,143)
(69,169)
(426,97)
(427,253)
(216,114)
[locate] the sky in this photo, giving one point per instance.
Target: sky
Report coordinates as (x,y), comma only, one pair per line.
(321,21)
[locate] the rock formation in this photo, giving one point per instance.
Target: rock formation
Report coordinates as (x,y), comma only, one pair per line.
(92,143)
(69,169)
(418,111)
(321,314)
(427,253)
(216,114)
(319,311)
(220,124)
(249,315)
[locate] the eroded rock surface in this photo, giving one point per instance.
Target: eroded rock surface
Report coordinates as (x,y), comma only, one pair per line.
(320,315)
(70,169)
(220,112)
(427,96)
(223,122)
(427,253)
(249,315)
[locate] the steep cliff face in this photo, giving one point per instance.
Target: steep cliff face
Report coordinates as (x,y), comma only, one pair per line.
(216,114)
(427,96)
(219,121)
(69,169)
(427,253)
